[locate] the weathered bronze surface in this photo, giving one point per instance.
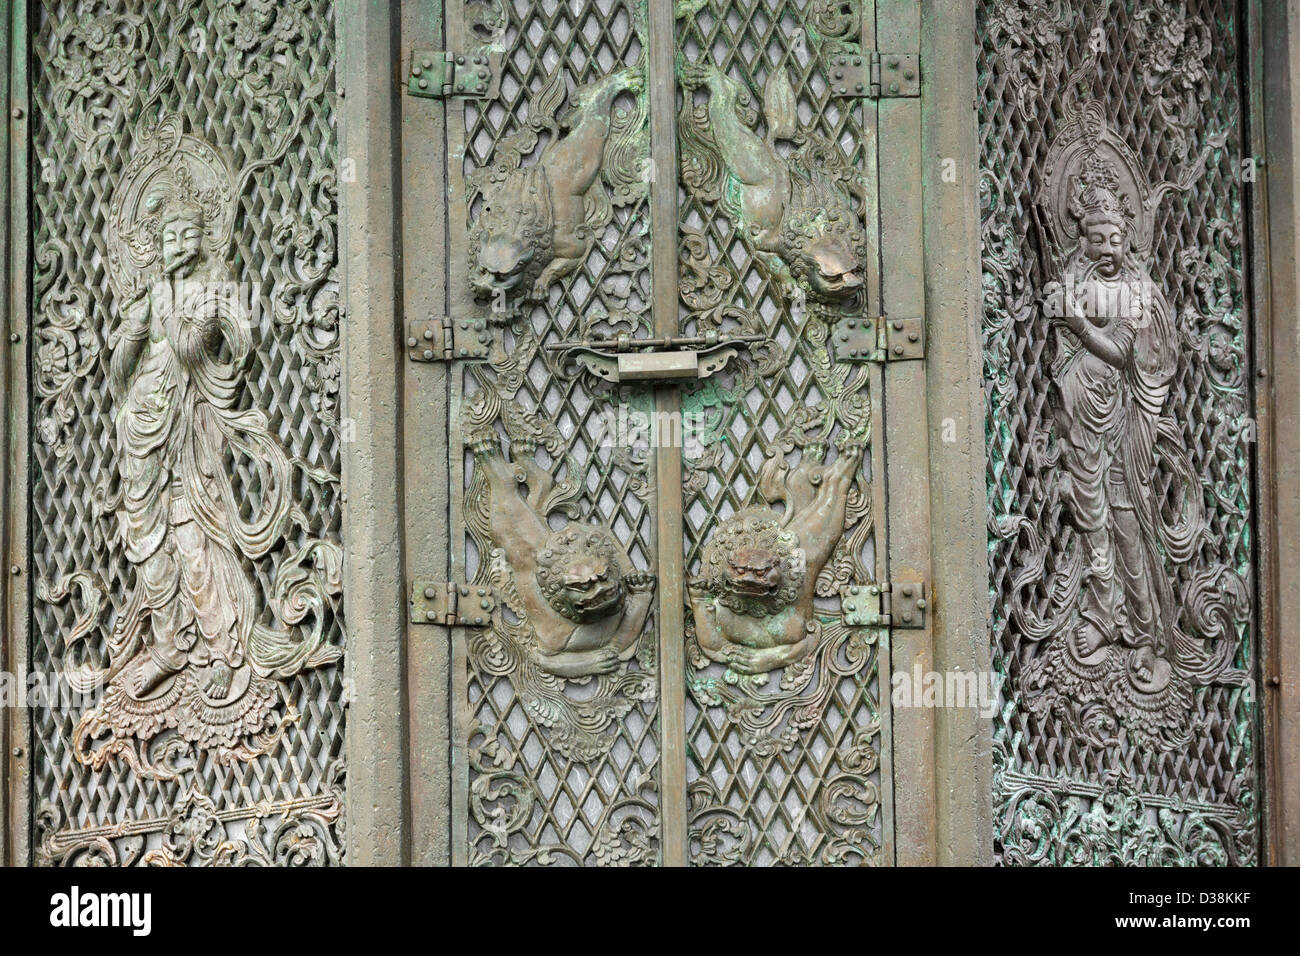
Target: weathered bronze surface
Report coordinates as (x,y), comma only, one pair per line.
(185,445)
(573,525)
(1115,626)
(775,236)
(583,604)
(556,701)
(540,222)
(800,209)
(753,600)
(667,349)
(1118,398)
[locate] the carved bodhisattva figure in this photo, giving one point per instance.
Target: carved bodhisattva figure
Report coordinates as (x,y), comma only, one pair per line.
(583,603)
(1125,636)
(187,651)
(753,599)
(798,214)
(1116,358)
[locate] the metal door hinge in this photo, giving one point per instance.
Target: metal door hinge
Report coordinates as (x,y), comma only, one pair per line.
(877,75)
(436,74)
(885,604)
(441,339)
(625,359)
(445,602)
(879,339)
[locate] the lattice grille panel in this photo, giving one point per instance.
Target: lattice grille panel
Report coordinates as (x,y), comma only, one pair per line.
(1167,78)
(578,790)
(239,75)
(762,791)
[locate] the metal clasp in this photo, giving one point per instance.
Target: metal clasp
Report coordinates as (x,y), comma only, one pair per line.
(625,359)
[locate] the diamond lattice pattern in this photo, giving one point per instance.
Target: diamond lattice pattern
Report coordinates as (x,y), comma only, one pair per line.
(771,793)
(584,41)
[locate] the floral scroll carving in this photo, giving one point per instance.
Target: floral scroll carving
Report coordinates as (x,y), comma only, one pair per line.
(502,799)
(97,74)
(845,812)
(303,832)
(68,347)
(1173,67)
(1046,822)
(192,664)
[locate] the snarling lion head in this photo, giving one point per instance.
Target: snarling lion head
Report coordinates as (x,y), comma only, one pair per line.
(513,240)
(752,564)
(822,238)
(580,574)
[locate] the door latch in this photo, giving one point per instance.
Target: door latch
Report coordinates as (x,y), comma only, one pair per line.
(442,339)
(879,339)
(885,604)
(624,359)
(436,74)
(445,602)
(877,75)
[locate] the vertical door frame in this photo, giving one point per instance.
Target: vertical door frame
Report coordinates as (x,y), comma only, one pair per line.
(374,588)
(661,75)
(15,597)
(1275,130)
(962,777)
(460,300)
(423,433)
(934,431)
(906,434)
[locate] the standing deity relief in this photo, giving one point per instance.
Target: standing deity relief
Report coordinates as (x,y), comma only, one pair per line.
(1137,620)
(201,490)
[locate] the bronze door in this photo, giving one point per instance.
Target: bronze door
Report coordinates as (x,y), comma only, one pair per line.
(584,345)
(665,358)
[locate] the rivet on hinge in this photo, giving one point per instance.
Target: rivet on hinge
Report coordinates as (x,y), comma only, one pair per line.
(898,604)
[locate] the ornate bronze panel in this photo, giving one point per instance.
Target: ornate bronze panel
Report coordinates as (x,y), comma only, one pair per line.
(558,706)
(775,228)
(565,458)
(186,554)
(1119,389)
